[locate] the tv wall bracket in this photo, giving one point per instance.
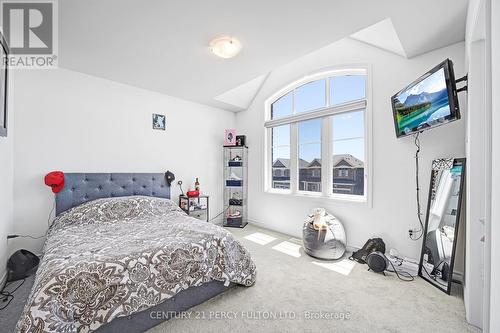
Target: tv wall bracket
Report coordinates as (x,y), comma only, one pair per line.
(462,79)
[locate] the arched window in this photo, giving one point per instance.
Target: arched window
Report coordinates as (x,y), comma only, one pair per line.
(317,134)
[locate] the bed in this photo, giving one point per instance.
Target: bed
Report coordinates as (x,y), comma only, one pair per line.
(121,257)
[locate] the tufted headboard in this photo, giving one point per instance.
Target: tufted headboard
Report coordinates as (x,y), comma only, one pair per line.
(82,187)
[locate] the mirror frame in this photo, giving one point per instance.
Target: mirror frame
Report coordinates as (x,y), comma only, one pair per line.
(456,161)
(4,81)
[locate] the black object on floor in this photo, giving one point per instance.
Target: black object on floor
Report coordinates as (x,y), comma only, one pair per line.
(21,264)
(371,245)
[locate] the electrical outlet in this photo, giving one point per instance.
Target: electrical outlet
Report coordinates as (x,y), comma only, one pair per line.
(412,232)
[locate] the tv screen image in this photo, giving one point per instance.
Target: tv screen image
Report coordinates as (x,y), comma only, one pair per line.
(428,102)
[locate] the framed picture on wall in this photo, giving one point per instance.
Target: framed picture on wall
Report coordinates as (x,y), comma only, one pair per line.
(4,53)
(159,121)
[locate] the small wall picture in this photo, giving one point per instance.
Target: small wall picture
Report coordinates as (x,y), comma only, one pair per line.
(229,137)
(159,121)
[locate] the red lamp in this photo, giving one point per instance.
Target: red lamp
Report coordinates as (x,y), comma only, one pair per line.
(55,180)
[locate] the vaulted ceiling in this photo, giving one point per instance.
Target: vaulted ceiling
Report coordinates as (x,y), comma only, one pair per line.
(162,45)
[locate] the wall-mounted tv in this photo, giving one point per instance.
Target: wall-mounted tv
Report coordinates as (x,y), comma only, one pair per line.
(428,102)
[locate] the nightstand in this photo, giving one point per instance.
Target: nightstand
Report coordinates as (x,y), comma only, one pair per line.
(196,207)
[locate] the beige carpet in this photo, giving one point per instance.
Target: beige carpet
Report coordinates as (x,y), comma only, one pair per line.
(294,295)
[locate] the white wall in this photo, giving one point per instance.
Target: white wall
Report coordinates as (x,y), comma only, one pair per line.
(6,180)
(478,133)
(476,184)
(78,123)
(394,207)
(494,306)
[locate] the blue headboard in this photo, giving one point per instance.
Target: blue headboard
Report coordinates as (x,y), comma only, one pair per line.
(82,187)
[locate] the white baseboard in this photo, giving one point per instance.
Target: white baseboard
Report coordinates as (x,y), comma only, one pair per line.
(459,276)
(261,225)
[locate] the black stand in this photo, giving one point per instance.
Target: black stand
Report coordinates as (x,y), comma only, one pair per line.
(462,79)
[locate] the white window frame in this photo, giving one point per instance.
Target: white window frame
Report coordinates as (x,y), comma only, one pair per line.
(326,128)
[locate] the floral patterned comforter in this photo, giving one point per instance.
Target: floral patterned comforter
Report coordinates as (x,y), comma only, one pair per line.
(113,257)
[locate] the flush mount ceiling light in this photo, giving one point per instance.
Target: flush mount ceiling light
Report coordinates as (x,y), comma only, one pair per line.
(225,47)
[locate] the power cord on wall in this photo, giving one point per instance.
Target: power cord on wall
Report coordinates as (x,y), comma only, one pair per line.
(24,236)
(34,237)
(50,213)
(417,234)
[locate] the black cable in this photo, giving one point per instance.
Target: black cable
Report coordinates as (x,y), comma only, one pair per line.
(25,236)
(216,216)
(180,186)
(433,277)
(35,237)
(400,274)
(50,213)
(417,181)
(8,296)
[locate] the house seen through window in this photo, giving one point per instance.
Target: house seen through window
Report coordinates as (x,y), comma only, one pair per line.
(317,135)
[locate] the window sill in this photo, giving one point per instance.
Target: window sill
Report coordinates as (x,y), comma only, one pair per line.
(335,197)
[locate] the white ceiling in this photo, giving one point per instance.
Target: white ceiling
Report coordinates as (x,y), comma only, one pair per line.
(382,35)
(242,96)
(162,45)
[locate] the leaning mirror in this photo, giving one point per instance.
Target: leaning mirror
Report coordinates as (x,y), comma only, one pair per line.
(441,226)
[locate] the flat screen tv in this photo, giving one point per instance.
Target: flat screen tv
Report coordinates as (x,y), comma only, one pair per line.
(428,102)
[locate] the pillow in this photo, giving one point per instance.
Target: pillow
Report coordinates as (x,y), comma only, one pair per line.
(112,210)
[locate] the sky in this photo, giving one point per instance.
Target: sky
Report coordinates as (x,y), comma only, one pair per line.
(348,128)
(433,83)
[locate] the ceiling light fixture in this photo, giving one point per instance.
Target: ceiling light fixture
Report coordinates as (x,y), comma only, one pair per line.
(225,47)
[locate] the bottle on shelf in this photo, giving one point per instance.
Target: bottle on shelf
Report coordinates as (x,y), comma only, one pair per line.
(197,185)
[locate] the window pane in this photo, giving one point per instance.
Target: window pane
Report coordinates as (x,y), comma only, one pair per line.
(281,136)
(310,155)
(348,125)
(310,131)
(346,88)
(348,153)
(282,107)
(352,147)
(281,157)
(310,96)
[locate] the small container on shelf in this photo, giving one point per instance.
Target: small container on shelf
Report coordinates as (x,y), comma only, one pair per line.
(234,222)
(236,161)
(234,182)
(235,202)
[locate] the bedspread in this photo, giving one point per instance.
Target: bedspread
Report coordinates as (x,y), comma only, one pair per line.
(116,256)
